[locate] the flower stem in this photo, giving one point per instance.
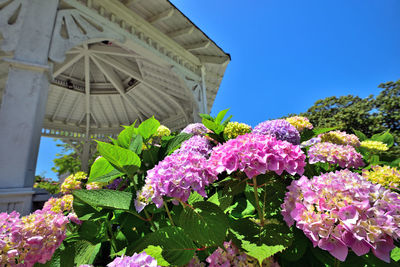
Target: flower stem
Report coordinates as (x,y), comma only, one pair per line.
(337,263)
(169,214)
(259,211)
(150,220)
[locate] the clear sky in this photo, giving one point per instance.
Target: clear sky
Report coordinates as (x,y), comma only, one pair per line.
(286,54)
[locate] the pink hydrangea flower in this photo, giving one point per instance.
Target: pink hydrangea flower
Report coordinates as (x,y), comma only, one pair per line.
(257,154)
(196,144)
(344,156)
(30,239)
(136,260)
(230,256)
(195,129)
(341,210)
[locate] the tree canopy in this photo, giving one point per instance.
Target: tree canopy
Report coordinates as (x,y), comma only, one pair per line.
(370,115)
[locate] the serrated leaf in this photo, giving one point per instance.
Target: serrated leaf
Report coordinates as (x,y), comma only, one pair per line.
(210,124)
(125,136)
(176,142)
(85,253)
(156,253)
(122,159)
(223,201)
(103,171)
(148,127)
(177,247)
(318,131)
(206,116)
(221,116)
(106,198)
(136,144)
(384,137)
(205,223)
(194,197)
(395,254)
(360,135)
(261,252)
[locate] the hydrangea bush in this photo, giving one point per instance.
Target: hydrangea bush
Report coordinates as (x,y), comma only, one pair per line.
(220,194)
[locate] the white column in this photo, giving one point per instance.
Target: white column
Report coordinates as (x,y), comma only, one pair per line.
(85,156)
(204,90)
(23,106)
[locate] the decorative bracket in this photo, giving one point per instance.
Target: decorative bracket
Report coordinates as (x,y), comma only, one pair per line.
(73,28)
(11,19)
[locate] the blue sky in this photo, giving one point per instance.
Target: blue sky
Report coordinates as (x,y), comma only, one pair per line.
(286,54)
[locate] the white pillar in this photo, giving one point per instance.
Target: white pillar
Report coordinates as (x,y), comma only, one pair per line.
(85,156)
(204,90)
(24,105)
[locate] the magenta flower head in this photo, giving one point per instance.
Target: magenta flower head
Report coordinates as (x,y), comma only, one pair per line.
(229,256)
(137,260)
(257,154)
(196,144)
(341,210)
(175,177)
(30,239)
(195,129)
(280,129)
(344,156)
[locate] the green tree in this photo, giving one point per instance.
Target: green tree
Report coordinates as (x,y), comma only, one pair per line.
(370,115)
(69,160)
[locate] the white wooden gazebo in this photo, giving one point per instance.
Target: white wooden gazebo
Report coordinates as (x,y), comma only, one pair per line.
(79,69)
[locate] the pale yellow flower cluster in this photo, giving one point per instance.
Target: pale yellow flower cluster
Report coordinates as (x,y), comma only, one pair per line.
(73,182)
(385,176)
(234,129)
(300,123)
(374,145)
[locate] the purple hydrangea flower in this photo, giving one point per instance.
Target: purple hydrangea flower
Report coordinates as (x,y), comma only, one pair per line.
(196,144)
(341,210)
(280,129)
(257,154)
(195,129)
(118,183)
(175,177)
(137,260)
(344,156)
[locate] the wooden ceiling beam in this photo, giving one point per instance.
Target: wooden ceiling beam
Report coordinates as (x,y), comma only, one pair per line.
(67,64)
(197,46)
(162,16)
(115,81)
(181,32)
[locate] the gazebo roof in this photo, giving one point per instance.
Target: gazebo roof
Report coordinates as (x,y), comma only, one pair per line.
(151,65)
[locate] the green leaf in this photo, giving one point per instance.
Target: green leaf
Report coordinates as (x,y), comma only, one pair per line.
(395,163)
(205,223)
(122,159)
(318,131)
(222,200)
(210,124)
(103,171)
(93,231)
(85,252)
(125,136)
(177,247)
(137,144)
(395,254)
(221,116)
(156,253)
(261,242)
(148,127)
(175,142)
(261,252)
(194,197)
(360,135)
(384,137)
(106,198)
(206,116)
(298,247)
